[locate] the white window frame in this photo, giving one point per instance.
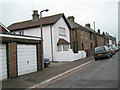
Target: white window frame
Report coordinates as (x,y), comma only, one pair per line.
(59,47)
(21,32)
(65,47)
(62,31)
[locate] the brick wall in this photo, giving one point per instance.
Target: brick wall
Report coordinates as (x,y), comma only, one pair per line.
(39,58)
(12,60)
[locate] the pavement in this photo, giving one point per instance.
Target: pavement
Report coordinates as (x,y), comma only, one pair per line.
(32,79)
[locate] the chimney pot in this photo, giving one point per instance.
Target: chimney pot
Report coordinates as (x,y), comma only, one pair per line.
(35,15)
(87,25)
(72,18)
(99,31)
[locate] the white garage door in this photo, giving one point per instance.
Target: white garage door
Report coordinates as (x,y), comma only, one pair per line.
(27,58)
(3,62)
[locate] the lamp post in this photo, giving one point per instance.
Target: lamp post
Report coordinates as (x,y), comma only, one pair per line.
(46,10)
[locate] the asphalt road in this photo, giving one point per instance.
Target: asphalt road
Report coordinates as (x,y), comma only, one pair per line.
(99,74)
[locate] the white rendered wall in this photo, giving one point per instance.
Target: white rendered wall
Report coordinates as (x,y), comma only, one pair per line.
(60,23)
(47,43)
(30,32)
(69,55)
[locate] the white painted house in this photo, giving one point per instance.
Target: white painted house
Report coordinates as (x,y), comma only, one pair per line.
(56,38)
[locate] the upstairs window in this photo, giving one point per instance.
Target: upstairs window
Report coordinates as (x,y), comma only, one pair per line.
(90,35)
(82,35)
(62,31)
(21,32)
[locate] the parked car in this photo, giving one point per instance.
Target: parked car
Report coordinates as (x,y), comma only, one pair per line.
(46,62)
(114,48)
(112,51)
(102,52)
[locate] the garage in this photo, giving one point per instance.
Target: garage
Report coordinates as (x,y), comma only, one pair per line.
(26,58)
(3,62)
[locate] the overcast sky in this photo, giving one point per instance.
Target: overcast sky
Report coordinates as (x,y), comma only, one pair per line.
(103,12)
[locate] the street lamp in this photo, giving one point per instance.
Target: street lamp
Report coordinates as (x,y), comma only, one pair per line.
(46,10)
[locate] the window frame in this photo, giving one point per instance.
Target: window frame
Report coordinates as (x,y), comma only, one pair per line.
(61,33)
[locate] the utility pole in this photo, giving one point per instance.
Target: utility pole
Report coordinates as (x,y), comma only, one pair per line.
(46,10)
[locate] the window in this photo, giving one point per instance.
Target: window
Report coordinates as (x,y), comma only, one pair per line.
(91,46)
(81,34)
(65,47)
(21,32)
(82,46)
(59,48)
(90,35)
(62,31)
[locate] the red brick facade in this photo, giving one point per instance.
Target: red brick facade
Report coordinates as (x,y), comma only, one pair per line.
(85,38)
(12,60)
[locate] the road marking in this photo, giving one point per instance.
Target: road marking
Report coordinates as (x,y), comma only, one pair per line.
(58,77)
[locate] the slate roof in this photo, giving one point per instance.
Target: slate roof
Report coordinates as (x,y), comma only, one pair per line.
(75,25)
(49,20)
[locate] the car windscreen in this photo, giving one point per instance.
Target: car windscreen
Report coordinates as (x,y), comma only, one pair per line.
(99,49)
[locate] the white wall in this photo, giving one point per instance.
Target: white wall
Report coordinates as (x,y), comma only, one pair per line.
(47,42)
(60,23)
(30,32)
(69,55)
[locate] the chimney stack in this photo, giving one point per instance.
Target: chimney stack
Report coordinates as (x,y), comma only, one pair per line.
(103,33)
(72,18)
(87,25)
(35,15)
(99,31)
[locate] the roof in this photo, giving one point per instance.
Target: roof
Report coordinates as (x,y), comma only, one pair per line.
(74,25)
(91,30)
(62,41)
(49,20)
(3,28)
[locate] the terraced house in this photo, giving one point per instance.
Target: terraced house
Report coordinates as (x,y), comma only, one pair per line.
(82,38)
(85,38)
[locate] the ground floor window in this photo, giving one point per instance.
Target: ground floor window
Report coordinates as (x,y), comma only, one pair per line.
(59,47)
(63,47)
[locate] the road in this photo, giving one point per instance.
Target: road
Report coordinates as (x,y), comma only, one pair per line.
(99,74)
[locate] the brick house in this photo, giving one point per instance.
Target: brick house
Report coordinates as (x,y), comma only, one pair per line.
(82,38)
(99,39)
(109,40)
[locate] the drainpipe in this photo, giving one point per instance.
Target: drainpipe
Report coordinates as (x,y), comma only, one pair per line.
(51,41)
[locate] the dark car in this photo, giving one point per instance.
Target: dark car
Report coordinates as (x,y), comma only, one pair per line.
(46,62)
(102,52)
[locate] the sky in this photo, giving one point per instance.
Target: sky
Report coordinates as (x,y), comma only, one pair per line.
(103,12)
